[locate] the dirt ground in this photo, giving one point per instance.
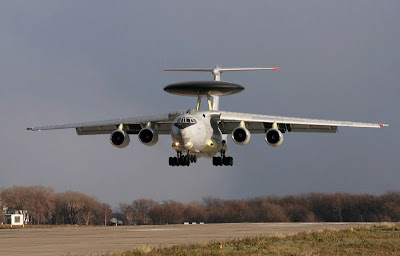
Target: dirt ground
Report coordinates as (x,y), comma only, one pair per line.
(99,240)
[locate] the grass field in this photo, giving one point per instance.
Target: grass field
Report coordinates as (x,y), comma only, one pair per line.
(381,239)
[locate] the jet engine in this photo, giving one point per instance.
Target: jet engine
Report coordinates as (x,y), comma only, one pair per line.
(274,137)
(241,135)
(148,136)
(119,139)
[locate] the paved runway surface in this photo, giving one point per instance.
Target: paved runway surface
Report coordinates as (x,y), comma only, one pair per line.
(97,240)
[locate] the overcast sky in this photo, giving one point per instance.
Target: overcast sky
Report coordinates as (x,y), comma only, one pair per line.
(72,61)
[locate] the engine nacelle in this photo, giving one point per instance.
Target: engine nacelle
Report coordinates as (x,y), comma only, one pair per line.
(274,137)
(119,139)
(241,135)
(148,136)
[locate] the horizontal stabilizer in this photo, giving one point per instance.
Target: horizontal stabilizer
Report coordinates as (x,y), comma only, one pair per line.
(218,70)
(190,69)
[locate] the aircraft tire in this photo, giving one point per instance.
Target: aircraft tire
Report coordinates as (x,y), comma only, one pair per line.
(174,161)
(225,160)
(217,161)
(186,160)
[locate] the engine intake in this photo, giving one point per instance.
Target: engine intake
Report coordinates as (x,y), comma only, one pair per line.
(148,136)
(274,137)
(119,139)
(241,135)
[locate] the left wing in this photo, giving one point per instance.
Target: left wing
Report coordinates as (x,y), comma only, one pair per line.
(261,123)
(160,123)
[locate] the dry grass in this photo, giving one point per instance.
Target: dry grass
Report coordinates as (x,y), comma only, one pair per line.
(381,239)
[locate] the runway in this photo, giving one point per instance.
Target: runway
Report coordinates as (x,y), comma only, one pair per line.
(97,240)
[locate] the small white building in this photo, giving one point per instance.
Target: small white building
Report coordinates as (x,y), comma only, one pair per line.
(14,219)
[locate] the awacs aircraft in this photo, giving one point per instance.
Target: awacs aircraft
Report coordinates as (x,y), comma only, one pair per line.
(197,133)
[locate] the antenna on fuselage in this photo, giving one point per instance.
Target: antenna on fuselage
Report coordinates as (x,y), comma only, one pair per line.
(216,71)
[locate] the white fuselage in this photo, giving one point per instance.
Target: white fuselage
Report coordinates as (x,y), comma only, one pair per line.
(197,133)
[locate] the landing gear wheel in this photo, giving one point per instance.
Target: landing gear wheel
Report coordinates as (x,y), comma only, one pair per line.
(223,160)
(186,160)
(217,161)
(193,159)
(173,161)
(182,160)
(227,161)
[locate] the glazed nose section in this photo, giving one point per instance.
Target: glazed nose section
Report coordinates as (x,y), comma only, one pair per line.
(178,133)
(180,139)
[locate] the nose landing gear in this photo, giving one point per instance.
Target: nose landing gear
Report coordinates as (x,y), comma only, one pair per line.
(182,160)
(223,160)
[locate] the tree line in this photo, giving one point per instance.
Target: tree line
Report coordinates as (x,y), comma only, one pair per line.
(312,207)
(45,206)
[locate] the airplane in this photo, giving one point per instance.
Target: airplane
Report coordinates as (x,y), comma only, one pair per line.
(203,133)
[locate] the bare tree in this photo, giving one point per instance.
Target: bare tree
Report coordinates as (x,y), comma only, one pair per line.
(127,212)
(90,208)
(69,204)
(105,213)
(194,212)
(37,200)
(141,209)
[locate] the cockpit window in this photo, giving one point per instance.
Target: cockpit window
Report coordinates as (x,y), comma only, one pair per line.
(189,120)
(184,122)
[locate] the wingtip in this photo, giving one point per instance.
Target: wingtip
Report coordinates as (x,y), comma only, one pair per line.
(29,129)
(384,125)
(275,68)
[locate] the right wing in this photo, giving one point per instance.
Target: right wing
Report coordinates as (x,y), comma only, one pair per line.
(261,123)
(160,123)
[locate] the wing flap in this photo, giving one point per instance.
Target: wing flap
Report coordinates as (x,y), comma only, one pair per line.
(254,127)
(91,130)
(312,128)
(160,128)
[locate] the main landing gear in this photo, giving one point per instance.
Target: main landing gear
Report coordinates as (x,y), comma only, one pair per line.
(182,160)
(222,160)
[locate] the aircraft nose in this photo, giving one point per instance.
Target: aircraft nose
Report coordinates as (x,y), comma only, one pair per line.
(180,139)
(178,133)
